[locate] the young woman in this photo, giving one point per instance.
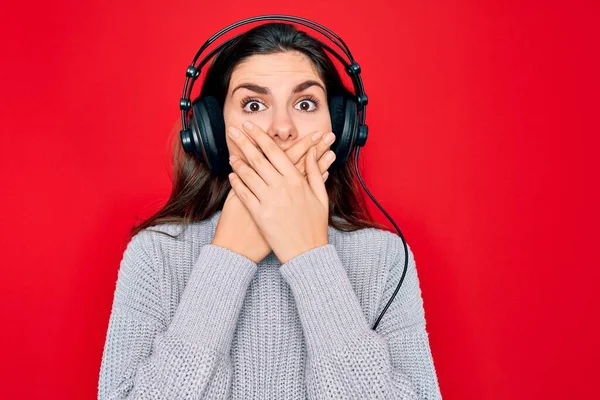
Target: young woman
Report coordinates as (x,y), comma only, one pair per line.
(264,284)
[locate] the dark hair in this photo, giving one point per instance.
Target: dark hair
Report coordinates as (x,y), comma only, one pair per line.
(197,193)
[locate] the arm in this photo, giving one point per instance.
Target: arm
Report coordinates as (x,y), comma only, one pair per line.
(147,358)
(346,358)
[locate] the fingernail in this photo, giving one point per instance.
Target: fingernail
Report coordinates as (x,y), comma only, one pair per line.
(232,158)
(330,156)
(316,136)
(248,125)
(329,138)
(233,132)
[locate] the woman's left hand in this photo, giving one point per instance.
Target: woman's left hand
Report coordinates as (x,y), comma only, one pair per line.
(292,212)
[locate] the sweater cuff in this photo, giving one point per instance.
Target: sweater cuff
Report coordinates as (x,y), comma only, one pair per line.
(329,310)
(211,302)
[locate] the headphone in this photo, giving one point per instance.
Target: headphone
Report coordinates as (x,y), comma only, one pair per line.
(203,124)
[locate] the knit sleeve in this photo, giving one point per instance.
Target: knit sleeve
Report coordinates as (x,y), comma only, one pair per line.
(346,358)
(146,357)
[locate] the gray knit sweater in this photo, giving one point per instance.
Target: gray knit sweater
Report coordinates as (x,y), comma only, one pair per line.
(192,320)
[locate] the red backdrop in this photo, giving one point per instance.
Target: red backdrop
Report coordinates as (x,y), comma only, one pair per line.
(483,126)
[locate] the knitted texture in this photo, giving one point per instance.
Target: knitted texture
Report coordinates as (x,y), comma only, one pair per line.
(192,320)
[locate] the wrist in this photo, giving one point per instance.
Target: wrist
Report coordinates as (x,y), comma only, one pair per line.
(287,255)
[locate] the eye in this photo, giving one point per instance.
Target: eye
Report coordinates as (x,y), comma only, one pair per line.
(308,100)
(254,104)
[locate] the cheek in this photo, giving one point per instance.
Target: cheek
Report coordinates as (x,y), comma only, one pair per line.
(328,121)
(231,146)
(310,125)
(324,122)
(231,119)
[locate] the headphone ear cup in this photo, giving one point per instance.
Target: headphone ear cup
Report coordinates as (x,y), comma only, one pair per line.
(209,127)
(337,111)
(344,117)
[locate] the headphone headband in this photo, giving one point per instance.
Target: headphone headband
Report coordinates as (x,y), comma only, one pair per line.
(352,67)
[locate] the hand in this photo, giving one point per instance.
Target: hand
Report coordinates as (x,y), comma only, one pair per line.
(291,212)
(297,153)
(236,229)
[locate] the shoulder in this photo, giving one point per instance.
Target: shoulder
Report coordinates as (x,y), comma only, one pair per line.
(377,261)
(157,245)
(387,246)
(172,233)
(380,252)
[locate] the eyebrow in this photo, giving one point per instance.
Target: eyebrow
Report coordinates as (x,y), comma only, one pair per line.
(265,90)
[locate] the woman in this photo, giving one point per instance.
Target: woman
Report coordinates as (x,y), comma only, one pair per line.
(265,284)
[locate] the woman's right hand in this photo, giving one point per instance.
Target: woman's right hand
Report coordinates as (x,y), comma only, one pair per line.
(236,229)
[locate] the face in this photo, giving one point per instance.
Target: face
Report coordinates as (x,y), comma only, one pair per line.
(282,93)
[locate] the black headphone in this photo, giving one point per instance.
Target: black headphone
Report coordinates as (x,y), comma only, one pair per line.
(203,125)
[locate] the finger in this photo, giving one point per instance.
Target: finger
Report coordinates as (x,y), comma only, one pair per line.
(256,159)
(230,194)
(322,146)
(324,162)
(244,194)
(299,149)
(325,176)
(315,179)
(277,157)
(248,176)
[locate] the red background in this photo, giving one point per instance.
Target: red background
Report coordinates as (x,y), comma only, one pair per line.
(483,121)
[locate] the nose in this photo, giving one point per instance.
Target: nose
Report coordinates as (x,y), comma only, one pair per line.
(282,126)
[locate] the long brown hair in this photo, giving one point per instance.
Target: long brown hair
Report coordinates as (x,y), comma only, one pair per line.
(197,193)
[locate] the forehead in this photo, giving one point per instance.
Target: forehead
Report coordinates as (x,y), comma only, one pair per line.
(274,70)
